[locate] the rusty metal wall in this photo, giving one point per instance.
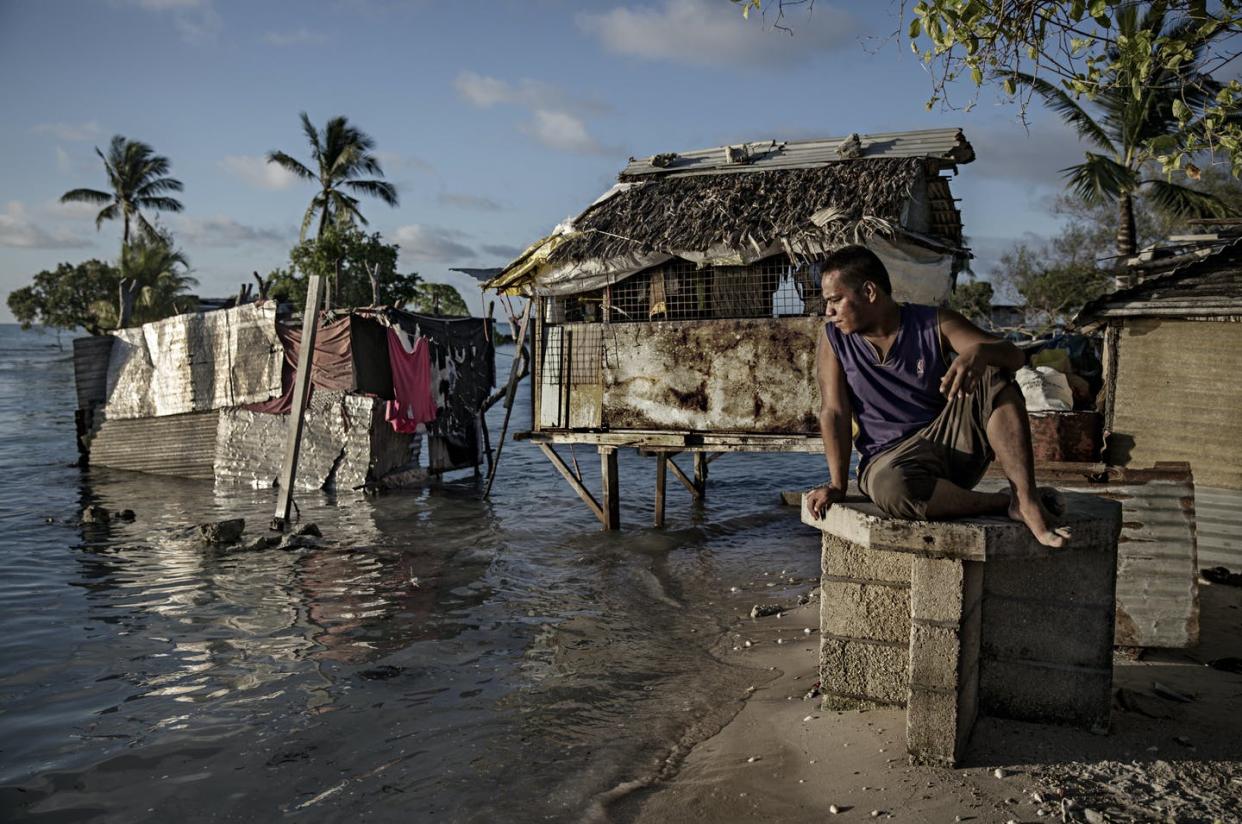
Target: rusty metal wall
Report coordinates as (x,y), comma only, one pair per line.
(1219,514)
(180,445)
(90,369)
(195,362)
(1178,398)
(745,376)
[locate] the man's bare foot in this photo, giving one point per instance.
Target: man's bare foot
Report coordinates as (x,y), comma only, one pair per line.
(1035,513)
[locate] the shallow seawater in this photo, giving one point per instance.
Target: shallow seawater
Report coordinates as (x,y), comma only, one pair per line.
(440,656)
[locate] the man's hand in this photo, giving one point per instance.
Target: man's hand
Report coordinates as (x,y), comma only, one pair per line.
(963,374)
(820,499)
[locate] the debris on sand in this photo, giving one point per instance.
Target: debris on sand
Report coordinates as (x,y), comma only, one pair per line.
(764,610)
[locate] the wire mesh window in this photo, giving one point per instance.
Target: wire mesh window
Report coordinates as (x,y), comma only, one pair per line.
(679,290)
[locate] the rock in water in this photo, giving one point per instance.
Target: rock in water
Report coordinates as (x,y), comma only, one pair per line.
(764,610)
(126,515)
(309,530)
(95,514)
(222,532)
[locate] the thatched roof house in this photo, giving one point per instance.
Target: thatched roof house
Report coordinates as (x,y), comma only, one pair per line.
(680,310)
(735,205)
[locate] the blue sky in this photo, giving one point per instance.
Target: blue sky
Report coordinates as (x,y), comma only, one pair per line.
(496,120)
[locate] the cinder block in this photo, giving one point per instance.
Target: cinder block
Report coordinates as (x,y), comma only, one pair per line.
(938,726)
(944,589)
(1050,633)
(1078,575)
(871,611)
(860,670)
(940,656)
(1052,695)
(844,559)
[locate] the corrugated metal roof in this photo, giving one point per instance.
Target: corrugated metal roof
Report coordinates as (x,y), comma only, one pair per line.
(180,445)
(1203,284)
(946,146)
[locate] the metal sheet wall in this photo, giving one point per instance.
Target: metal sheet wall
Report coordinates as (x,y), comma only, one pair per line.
(1178,398)
(1219,514)
(180,445)
(90,369)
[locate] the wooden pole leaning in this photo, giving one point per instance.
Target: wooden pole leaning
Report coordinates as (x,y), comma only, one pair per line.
(301,395)
(514,375)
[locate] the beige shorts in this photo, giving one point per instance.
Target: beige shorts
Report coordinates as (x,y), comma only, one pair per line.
(952,447)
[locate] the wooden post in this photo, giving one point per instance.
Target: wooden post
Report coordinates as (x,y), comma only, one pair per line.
(301,394)
(509,393)
(661,466)
(612,491)
(575,482)
(700,474)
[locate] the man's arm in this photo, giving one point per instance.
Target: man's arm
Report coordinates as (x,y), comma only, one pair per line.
(976,351)
(834,427)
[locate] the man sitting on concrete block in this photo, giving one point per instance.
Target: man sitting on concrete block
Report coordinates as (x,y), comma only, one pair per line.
(927,427)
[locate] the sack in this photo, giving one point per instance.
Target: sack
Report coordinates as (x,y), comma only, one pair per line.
(1045,389)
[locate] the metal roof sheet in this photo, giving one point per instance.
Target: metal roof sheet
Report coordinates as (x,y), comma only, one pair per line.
(947,146)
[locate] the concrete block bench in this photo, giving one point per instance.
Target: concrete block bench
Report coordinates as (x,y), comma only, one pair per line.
(954,618)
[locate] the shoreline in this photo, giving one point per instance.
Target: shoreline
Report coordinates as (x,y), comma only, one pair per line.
(784,759)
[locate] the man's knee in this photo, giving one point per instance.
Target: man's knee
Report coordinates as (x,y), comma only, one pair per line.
(900,494)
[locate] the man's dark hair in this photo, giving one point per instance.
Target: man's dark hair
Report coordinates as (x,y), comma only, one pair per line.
(855,265)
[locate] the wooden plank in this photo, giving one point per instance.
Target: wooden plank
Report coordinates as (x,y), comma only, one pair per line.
(679,441)
(567,473)
(700,473)
(681,476)
(612,490)
(301,394)
(661,466)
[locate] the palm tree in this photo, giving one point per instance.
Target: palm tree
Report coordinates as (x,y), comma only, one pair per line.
(341,154)
(157,274)
(1126,124)
(138,179)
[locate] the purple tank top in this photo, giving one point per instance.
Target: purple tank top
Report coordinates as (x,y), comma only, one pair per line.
(900,396)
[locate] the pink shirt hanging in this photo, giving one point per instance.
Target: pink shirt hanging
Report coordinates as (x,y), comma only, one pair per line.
(411,383)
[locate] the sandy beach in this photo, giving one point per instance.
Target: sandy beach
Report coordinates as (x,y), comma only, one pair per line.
(1173,753)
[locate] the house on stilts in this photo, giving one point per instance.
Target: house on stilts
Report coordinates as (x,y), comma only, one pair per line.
(679,311)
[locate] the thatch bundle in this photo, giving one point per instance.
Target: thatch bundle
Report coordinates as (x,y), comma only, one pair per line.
(750,210)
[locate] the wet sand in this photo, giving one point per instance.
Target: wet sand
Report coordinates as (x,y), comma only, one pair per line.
(782,759)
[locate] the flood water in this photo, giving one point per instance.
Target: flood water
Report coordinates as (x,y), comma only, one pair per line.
(439,658)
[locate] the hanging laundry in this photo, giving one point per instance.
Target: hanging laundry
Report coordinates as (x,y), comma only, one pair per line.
(411,382)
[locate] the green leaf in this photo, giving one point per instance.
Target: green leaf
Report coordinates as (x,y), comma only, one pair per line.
(976,74)
(915,27)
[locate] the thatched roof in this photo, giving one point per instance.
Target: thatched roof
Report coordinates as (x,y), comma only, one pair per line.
(753,210)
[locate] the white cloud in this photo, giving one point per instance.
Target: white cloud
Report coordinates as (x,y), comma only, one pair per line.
(17,230)
(298,37)
(556,120)
(256,171)
(225,231)
(197,21)
(485,92)
(394,161)
(561,130)
(711,33)
(476,203)
(73,210)
(63,164)
(432,243)
(69,131)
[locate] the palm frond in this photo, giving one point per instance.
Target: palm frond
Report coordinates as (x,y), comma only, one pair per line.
(290,164)
(108,213)
(158,186)
(381,189)
(1068,108)
(1184,202)
(312,136)
(93,196)
(1100,179)
(308,218)
(162,204)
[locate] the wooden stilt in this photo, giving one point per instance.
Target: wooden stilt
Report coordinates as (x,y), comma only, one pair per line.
(661,466)
(612,491)
(301,395)
(509,393)
(700,474)
(576,483)
(681,476)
